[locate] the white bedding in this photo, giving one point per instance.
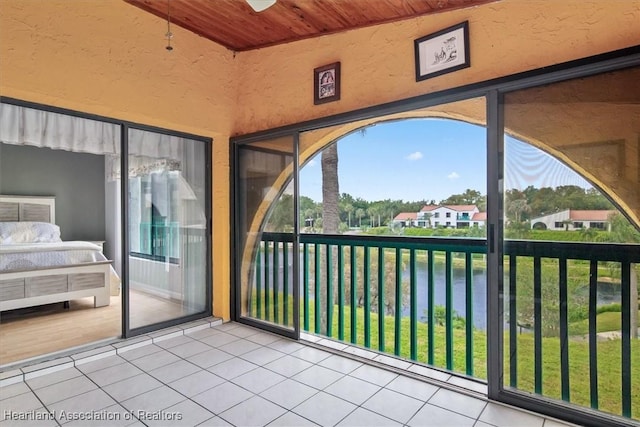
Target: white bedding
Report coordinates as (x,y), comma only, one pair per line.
(24,256)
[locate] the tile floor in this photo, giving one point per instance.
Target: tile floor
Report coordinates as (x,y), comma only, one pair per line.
(213,374)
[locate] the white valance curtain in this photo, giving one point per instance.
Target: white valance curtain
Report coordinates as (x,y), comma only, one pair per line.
(38,128)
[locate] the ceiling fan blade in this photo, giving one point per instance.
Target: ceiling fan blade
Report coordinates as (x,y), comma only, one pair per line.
(260,5)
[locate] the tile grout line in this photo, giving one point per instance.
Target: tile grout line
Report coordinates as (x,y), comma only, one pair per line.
(400,371)
(333,350)
(174,335)
(33,372)
(315,342)
(323,390)
(253,394)
(45,407)
(230,380)
(74,363)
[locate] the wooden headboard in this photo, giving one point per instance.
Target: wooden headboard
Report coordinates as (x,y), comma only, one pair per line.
(28,208)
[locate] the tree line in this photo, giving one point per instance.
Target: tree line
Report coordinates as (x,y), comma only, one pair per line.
(358,212)
(520,206)
(532,202)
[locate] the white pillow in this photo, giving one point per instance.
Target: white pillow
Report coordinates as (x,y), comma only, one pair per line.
(29,232)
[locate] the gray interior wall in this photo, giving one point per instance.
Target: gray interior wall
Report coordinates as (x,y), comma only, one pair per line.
(77,181)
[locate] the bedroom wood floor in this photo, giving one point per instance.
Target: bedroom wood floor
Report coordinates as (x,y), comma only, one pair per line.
(36,331)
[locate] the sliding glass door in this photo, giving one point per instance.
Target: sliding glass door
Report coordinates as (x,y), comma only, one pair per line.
(167,228)
(570,248)
(266,256)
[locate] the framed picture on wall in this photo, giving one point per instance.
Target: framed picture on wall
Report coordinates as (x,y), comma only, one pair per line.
(326,83)
(442,52)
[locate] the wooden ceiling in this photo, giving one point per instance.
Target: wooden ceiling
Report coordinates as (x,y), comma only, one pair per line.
(234,24)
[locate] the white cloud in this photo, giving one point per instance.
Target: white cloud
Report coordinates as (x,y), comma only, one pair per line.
(453,175)
(311,163)
(415,156)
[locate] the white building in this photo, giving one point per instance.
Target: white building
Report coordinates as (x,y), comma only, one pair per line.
(571,219)
(406,219)
(448,216)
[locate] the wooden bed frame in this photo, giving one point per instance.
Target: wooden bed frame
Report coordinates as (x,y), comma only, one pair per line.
(27,288)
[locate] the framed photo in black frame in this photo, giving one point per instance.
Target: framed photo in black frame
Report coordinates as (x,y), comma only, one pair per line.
(442,52)
(326,83)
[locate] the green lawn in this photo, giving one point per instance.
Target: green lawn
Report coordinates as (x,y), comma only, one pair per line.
(605,322)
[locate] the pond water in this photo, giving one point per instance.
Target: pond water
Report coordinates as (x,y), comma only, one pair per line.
(479,294)
(607,293)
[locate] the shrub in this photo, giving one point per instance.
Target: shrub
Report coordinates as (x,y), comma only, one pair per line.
(613,307)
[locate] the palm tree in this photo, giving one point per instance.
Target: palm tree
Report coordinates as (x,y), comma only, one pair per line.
(330,190)
(330,218)
(359,214)
(348,208)
(374,211)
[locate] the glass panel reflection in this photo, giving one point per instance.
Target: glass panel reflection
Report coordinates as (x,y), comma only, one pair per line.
(571,251)
(167,227)
(265,209)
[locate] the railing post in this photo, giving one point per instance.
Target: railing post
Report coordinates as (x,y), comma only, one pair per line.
(564,331)
(354,294)
(316,289)
(276,269)
(430,308)
(305,261)
(513,322)
(449,309)
(633,288)
(381,313)
(285,283)
(593,337)
(537,323)
(398,308)
(413,302)
(367,297)
(469,311)
(626,338)
(340,292)
(267,307)
(329,301)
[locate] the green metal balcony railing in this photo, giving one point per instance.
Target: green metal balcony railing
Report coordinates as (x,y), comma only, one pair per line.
(375,278)
(356,312)
(369,291)
(162,242)
(160,239)
(599,259)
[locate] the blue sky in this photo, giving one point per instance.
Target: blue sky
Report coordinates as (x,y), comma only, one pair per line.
(428,159)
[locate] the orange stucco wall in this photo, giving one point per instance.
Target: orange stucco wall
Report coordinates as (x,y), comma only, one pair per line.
(107,57)
(377,63)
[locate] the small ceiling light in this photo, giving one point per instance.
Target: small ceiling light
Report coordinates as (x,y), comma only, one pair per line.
(169,34)
(260,5)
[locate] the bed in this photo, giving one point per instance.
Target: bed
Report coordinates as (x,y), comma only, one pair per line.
(36,267)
